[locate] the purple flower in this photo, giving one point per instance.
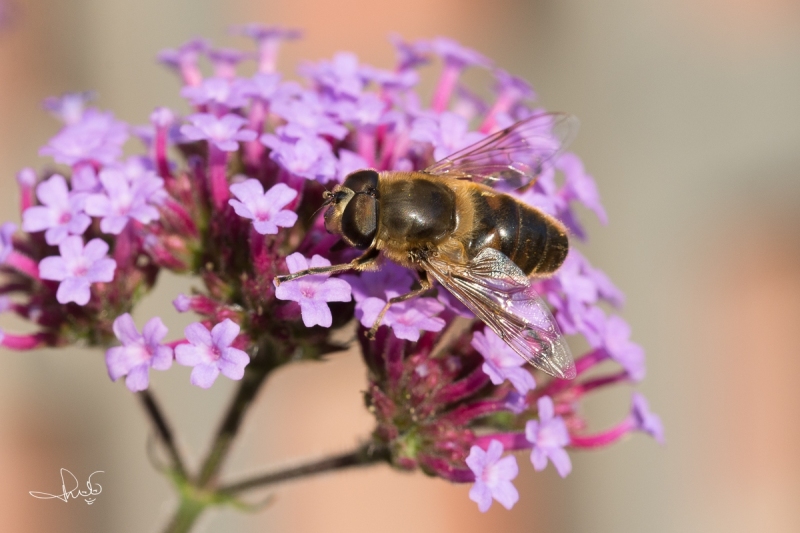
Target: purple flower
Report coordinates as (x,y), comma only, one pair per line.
(225,60)
(366,110)
(184,60)
(574,281)
(186,53)
(96,137)
(262,86)
(308,157)
(579,185)
(455,54)
(409,55)
(182,303)
(27,177)
(493,476)
(408,319)
(260,32)
(61,214)
(616,341)
(389,80)
(349,162)
(306,115)
(542,197)
(211,353)
(373,289)
(341,76)
(123,201)
(77,268)
(162,117)
(515,402)
(138,353)
(501,362)
(6,242)
(454,304)
(84,179)
(217,91)
(644,420)
(264,209)
(268,39)
(605,287)
(510,84)
(447,133)
(68,107)
(549,436)
(225,133)
(312,292)
(389,281)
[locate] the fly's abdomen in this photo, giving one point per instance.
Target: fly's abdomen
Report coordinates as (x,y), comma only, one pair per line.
(534,241)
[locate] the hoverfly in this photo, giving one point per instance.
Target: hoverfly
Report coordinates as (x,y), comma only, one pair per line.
(450,222)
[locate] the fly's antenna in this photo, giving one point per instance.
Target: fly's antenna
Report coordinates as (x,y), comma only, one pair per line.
(328,199)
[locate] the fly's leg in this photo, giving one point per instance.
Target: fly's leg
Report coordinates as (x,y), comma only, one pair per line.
(424,286)
(366,259)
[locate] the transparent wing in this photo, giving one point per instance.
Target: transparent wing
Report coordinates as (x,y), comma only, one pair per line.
(500,294)
(515,155)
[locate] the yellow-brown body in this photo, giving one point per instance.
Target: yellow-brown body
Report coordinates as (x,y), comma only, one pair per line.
(421,213)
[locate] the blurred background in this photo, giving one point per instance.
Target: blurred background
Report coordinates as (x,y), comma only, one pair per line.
(690,114)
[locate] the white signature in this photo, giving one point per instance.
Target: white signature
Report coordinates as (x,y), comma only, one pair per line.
(89,495)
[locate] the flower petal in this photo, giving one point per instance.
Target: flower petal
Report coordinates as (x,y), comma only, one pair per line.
(37,218)
(188,355)
(95,249)
(125,330)
(279,196)
(138,378)
(560,460)
(296,262)
(153,331)
(102,270)
(315,313)
(73,290)
(116,363)
(247,190)
(506,493)
(480,494)
(204,375)
(241,209)
(285,219)
(198,334)
(53,192)
(53,268)
(162,358)
(223,334)
(71,248)
(232,363)
(333,290)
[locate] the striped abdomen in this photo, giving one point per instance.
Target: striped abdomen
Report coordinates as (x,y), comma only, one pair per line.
(536,242)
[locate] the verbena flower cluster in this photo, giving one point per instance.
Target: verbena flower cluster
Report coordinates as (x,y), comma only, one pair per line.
(228,193)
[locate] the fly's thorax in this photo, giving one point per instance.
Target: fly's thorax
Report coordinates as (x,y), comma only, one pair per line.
(416,210)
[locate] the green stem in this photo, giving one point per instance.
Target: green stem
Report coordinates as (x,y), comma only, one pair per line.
(185,517)
(163,430)
(262,363)
(366,455)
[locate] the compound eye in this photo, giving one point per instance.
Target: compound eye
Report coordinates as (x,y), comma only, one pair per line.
(360,220)
(339,196)
(362,181)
